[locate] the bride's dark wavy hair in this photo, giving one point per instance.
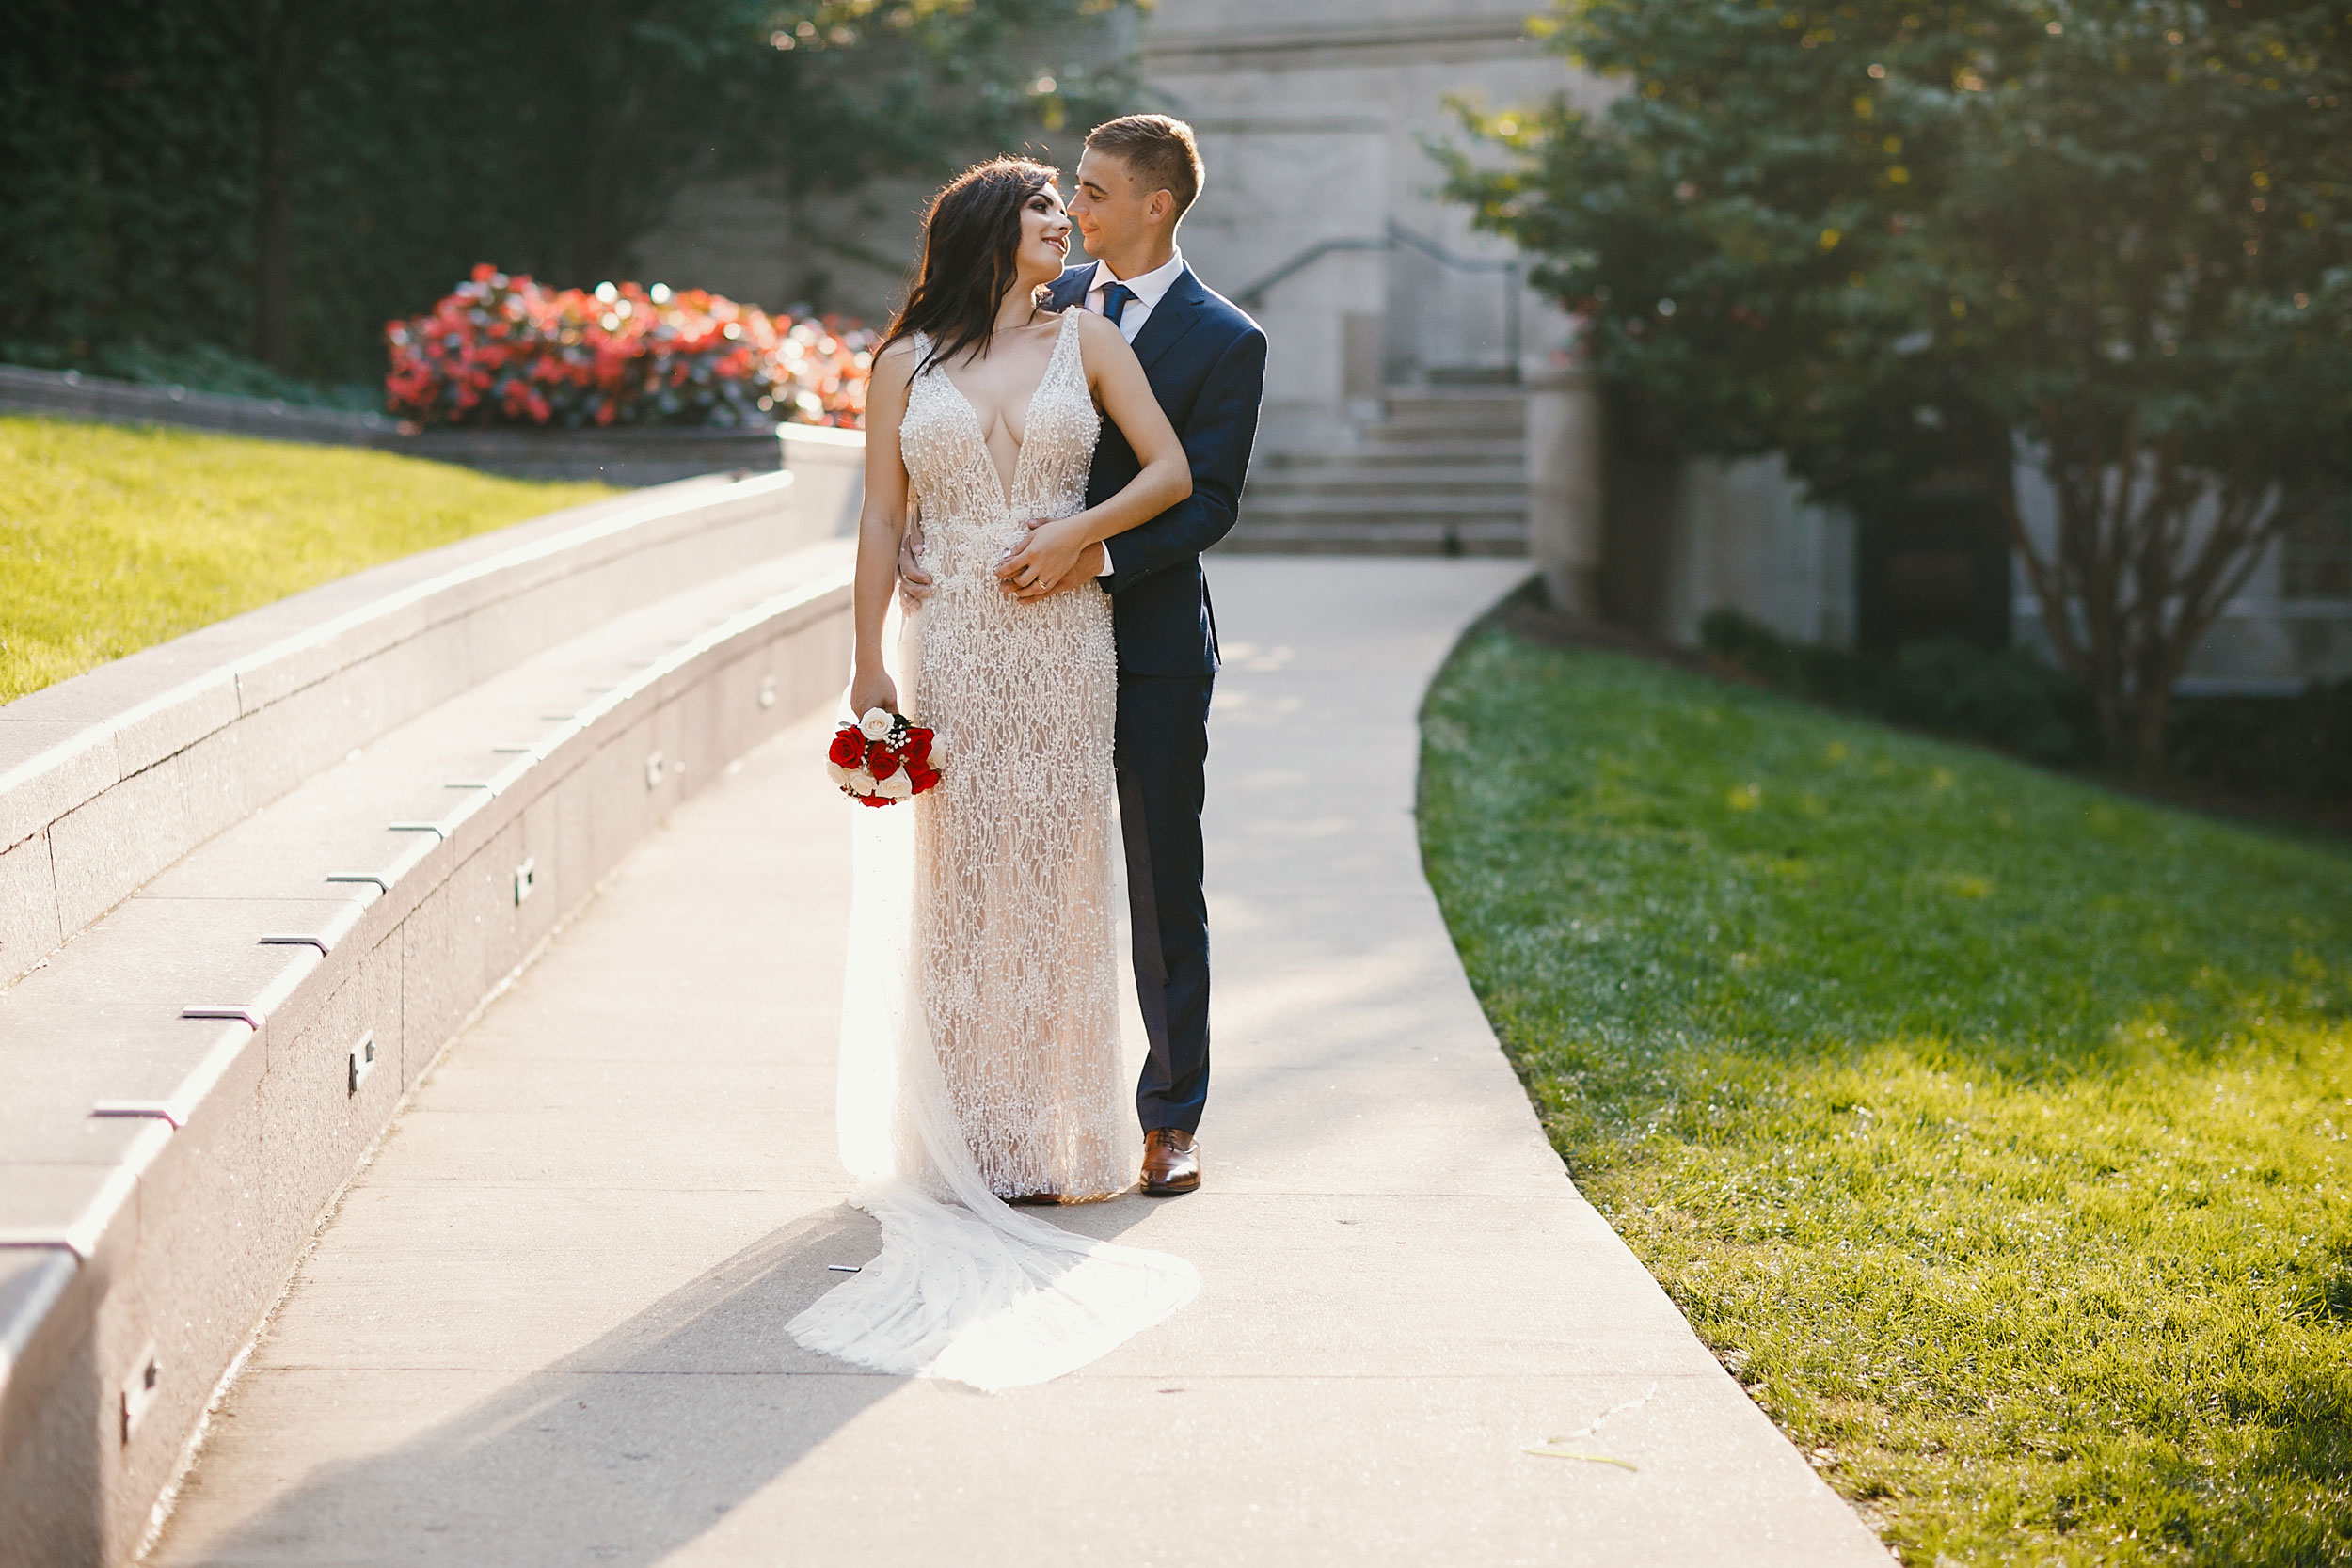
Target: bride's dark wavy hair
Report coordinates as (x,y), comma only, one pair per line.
(970,236)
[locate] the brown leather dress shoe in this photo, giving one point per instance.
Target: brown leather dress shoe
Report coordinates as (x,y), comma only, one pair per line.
(1171,1163)
(1035,1200)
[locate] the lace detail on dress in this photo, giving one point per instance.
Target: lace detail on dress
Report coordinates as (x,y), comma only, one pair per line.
(1015,943)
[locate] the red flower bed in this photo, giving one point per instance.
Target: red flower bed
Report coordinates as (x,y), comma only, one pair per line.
(505,350)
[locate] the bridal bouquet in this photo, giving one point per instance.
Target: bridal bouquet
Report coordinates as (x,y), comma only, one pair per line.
(882,759)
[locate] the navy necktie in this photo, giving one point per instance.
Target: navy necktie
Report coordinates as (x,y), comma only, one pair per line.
(1115,300)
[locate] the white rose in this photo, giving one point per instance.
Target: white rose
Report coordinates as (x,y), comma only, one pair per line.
(876,724)
(862,782)
(896,787)
(840,774)
(935,758)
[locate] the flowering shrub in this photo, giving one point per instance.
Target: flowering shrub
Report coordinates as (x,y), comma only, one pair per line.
(503,350)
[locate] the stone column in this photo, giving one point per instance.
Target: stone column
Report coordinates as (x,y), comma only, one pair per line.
(1564,475)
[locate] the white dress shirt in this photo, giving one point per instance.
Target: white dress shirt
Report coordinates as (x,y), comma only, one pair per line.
(1149,289)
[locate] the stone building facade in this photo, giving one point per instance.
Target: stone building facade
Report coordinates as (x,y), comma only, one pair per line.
(1322,214)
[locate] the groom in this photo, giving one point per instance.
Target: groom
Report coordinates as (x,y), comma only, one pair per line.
(1206,363)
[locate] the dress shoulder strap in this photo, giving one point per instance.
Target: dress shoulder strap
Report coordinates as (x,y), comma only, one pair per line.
(1066,344)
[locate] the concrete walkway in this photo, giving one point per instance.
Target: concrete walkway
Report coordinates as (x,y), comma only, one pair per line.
(546,1326)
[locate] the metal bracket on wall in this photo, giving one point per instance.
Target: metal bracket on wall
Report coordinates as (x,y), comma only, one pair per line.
(363,1062)
(381,885)
(433,827)
(138,1391)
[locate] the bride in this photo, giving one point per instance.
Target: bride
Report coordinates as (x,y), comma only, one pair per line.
(981,1044)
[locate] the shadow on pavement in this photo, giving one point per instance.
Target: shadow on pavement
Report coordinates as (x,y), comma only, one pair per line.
(618,1453)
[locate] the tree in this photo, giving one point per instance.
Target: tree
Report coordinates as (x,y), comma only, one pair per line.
(283,176)
(281,36)
(1896,241)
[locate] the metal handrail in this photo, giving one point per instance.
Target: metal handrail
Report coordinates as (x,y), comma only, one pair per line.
(1399,236)
(1506,265)
(1254,295)
(1431,248)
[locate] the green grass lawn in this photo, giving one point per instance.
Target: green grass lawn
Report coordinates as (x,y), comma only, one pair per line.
(113,539)
(1992,1128)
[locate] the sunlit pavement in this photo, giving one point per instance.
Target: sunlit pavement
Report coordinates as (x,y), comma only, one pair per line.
(546,1324)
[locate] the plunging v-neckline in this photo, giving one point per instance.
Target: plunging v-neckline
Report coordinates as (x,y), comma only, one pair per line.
(1028,407)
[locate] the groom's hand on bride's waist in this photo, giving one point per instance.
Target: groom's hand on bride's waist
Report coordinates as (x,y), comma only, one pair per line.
(915,584)
(1048,565)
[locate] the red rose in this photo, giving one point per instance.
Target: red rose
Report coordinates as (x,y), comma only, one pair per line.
(881,761)
(872,800)
(917,745)
(922,778)
(848,747)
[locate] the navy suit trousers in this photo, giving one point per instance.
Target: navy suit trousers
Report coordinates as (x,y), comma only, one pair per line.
(1162,752)
(1206,363)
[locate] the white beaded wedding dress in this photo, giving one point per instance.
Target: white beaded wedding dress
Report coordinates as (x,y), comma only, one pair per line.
(979,1042)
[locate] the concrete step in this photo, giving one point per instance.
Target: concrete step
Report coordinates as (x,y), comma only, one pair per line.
(1457,414)
(1258,534)
(1509,428)
(1348,478)
(1444,474)
(1405,398)
(1356,495)
(1388,446)
(1451,456)
(1312,506)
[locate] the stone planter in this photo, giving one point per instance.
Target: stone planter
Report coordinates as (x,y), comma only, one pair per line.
(631,456)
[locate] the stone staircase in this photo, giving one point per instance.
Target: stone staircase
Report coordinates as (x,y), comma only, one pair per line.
(1444,473)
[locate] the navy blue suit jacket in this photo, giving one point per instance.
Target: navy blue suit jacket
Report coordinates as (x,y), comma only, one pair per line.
(1206,363)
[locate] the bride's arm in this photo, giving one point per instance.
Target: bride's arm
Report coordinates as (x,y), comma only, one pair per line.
(1054,550)
(881,520)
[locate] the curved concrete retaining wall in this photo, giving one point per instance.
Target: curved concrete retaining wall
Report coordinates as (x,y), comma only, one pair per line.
(256,878)
(109,777)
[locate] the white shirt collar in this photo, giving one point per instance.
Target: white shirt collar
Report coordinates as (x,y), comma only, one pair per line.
(1149,287)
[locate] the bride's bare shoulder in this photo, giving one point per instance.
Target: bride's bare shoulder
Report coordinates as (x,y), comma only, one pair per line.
(895,365)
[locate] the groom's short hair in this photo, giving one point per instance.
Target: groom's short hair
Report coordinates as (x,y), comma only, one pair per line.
(1159,151)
